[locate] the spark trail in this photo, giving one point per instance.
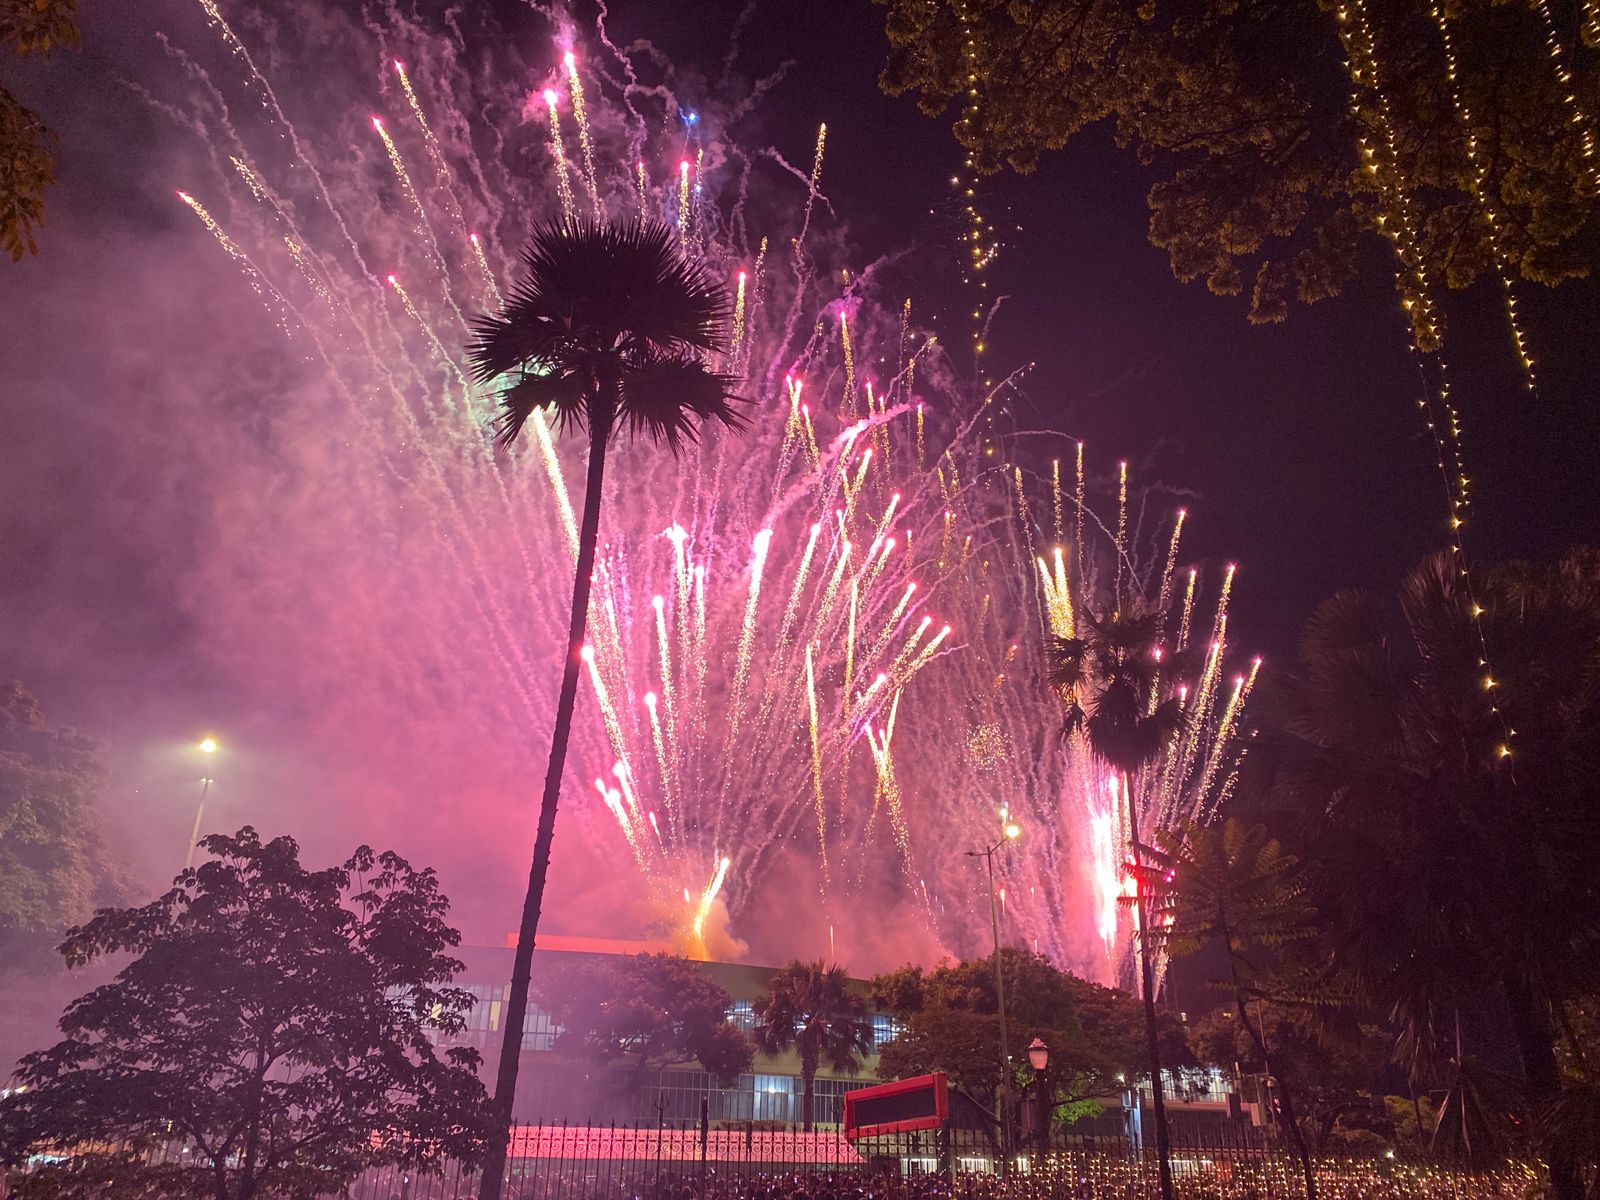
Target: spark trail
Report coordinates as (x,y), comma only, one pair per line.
(817,641)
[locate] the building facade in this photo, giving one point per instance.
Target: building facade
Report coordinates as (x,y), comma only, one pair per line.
(554,1088)
(551,1087)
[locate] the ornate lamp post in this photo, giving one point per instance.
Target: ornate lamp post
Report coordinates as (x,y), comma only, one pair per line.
(1039,1059)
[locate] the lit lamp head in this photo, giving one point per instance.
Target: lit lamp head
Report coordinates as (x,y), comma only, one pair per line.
(1013,831)
(208,745)
(1038,1054)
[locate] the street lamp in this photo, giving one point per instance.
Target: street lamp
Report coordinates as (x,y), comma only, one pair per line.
(1038,1055)
(1009,833)
(1039,1059)
(208,747)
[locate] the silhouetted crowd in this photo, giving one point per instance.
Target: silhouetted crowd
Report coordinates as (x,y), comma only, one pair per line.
(1131,1180)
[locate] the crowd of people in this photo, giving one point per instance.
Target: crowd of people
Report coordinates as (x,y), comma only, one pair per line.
(1062,1177)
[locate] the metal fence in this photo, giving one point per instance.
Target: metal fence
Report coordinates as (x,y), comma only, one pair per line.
(640,1162)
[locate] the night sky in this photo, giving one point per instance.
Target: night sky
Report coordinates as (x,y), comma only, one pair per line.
(1297,448)
(1301,442)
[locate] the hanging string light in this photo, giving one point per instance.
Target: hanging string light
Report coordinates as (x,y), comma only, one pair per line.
(980,246)
(1483,195)
(1396,218)
(1569,90)
(1380,159)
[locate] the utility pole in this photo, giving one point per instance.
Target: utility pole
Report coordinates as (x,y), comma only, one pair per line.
(199,812)
(1010,833)
(208,747)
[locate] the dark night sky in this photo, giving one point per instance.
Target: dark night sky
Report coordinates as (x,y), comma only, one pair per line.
(1300,444)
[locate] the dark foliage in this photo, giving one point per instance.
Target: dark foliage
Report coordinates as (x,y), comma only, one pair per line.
(1266,174)
(811,1008)
(53,863)
(609,317)
(27,170)
(948,1021)
(646,1012)
(280,1022)
(1445,801)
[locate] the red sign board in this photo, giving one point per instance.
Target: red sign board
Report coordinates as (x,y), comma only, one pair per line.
(898,1107)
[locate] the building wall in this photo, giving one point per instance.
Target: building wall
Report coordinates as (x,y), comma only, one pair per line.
(552,1088)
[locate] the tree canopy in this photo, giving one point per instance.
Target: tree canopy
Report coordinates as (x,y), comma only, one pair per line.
(813,1008)
(1435,753)
(28,27)
(608,328)
(276,1022)
(1279,132)
(646,1012)
(949,1021)
(53,864)
(1336,1071)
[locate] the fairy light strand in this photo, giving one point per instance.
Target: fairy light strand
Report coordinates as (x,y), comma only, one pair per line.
(1483,194)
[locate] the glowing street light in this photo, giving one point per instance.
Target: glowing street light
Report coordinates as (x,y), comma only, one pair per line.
(1039,1059)
(207,746)
(1038,1054)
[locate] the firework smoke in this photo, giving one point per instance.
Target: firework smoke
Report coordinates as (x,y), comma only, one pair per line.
(814,658)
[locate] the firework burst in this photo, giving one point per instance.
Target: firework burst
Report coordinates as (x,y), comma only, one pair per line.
(820,638)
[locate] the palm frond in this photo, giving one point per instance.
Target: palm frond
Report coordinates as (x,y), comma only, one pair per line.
(609,324)
(519,335)
(1065,668)
(563,394)
(593,287)
(665,397)
(1123,733)
(1074,718)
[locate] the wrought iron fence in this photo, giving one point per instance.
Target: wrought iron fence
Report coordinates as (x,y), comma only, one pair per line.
(749,1162)
(752,1161)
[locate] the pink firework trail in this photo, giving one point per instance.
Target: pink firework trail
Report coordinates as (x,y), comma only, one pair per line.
(819,640)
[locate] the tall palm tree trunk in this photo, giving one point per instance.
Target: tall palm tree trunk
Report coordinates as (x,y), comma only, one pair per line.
(1158,1100)
(808,1100)
(516,1009)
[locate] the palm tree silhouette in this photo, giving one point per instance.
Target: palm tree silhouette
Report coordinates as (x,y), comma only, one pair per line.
(810,1007)
(1453,888)
(1108,678)
(610,327)
(1236,886)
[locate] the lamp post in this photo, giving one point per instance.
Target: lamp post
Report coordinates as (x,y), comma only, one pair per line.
(1009,833)
(1039,1059)
(208,747)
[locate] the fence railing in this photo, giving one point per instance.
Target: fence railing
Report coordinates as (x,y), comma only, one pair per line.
(751,1162)
(640,1162)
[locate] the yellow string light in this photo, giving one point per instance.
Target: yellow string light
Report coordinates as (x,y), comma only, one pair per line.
(1397,220)
(981,247)
(1484,196)
(1569,91)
